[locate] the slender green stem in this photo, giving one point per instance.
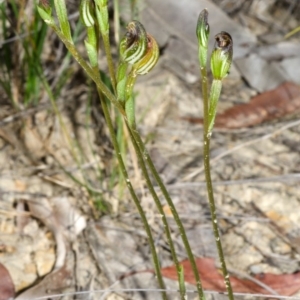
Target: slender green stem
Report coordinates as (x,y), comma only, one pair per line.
(110,63)
(206,155)
(204,96)
(209,186)
(103,23)
(177,219)
(140,156)
(133,194)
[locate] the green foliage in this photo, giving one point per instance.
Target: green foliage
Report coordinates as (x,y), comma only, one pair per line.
(30,33)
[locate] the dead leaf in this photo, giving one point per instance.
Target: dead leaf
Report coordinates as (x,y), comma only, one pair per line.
(268,106)
(62,219)
(53,283)
(65,221)
(212,279)
(7,289)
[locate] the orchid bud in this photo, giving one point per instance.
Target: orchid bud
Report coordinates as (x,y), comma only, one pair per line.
(149,60)
(202,32)
(134,44)
(86,12)
(221,57)
(45,11)
(143,66)
(44,4)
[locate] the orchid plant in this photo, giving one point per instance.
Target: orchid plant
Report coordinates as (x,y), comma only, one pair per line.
(138,54)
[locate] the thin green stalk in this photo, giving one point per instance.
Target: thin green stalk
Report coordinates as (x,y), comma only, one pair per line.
(204,84)
(208,105)
(123,144)
(215,94)
(103,23)
(133,195)
(158,204)
(177,219)
(220,65)
(209,187)
(110,62)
